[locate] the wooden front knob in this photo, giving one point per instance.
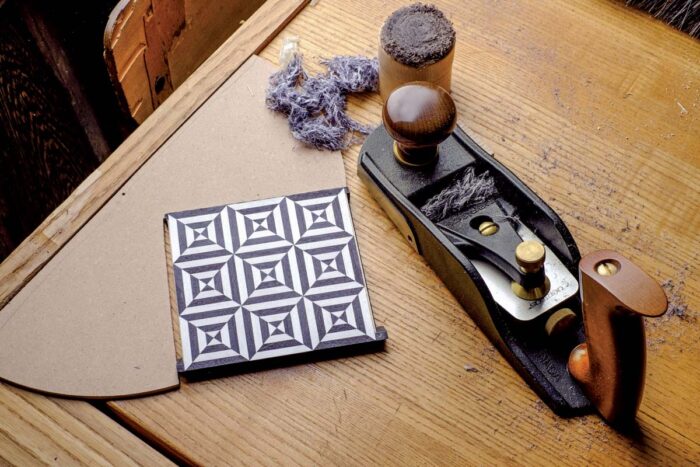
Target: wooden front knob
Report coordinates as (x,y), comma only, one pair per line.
(419,116)
(610,365)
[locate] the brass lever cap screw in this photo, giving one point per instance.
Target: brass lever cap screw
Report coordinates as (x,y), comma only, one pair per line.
(488,228)
(530,256)
(607,268)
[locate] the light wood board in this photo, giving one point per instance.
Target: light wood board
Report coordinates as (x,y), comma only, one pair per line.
(38,430)
(580,99)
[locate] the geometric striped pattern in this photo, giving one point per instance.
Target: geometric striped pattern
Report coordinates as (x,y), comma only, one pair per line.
(268,278)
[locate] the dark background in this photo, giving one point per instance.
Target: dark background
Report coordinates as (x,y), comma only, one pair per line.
(59,114)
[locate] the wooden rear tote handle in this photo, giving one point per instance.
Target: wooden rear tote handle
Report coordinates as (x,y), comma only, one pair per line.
(610,366)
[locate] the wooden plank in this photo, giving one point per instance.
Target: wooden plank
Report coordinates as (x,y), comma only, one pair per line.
(39,430)
(136,39)
(91,195)
(584,101)
(48,42)
(152,46)
(45,151)
(209,23)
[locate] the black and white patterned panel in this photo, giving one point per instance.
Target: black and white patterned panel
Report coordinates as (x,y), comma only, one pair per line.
(268,278)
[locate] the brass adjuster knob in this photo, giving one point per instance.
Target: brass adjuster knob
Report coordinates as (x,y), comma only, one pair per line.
(530,256)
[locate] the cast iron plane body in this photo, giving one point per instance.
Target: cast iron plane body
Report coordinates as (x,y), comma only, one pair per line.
(454,249)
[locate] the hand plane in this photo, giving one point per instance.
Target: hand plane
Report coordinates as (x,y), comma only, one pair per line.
(571,327)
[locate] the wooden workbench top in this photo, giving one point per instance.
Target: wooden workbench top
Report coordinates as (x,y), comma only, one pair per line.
(597,108)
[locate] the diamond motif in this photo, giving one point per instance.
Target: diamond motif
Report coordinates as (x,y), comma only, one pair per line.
(268,278)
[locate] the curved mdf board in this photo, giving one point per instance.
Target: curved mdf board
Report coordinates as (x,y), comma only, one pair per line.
(95,321)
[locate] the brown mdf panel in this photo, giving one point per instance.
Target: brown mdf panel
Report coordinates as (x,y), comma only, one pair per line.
(581,100)
(95,321)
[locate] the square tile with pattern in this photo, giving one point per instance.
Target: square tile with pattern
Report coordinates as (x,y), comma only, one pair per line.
(268,278)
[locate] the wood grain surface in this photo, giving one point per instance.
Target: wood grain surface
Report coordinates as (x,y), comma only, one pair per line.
(152,46)
(37,430)
(596,107)
(45,147)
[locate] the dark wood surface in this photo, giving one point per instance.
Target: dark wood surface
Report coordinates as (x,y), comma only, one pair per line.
(45,152)
(59,116)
